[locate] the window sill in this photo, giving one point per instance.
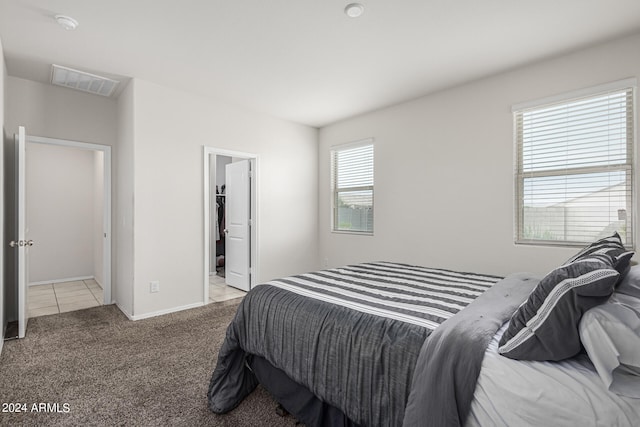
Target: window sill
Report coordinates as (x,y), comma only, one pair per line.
(355,233)
(568,245)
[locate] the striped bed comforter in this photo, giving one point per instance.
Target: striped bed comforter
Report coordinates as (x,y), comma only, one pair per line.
(417,295)
(351,335)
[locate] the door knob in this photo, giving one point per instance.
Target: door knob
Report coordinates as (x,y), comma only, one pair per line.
(30,242)
(13,243)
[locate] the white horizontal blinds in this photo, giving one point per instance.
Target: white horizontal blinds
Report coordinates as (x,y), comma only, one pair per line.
(352,182)
(575,169)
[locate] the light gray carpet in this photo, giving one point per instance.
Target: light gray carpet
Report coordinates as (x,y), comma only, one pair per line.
(112,371)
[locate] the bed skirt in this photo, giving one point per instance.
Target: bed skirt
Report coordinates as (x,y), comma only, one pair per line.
(296,398)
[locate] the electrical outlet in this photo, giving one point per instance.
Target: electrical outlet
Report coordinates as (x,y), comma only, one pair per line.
(154,286)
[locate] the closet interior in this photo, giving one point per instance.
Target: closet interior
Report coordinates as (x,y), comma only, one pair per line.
(218,239)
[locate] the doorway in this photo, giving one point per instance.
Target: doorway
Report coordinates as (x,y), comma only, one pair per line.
(230,213)
(68,217)
(65,217)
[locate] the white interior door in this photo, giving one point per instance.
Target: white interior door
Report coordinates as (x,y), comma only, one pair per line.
(237,225)
(21,244)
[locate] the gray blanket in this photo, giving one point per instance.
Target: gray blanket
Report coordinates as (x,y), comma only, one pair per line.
(352,336)
(450,360)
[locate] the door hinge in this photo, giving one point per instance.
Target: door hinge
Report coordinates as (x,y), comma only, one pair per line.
(250,223)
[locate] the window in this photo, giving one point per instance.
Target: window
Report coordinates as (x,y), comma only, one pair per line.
(352,187)
(574,171)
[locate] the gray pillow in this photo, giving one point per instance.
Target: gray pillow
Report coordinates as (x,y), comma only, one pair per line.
(611,245)
(605,245)
(630,285)
(610,334)
(545,327)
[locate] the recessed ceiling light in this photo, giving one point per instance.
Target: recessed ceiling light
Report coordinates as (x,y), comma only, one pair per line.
(67,22)
(353,10)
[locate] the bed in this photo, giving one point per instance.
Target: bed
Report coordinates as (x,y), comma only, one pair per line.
(393,344)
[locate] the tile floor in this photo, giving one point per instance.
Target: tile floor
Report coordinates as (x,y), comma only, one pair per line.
(219,291)
(69,296)
(62,297)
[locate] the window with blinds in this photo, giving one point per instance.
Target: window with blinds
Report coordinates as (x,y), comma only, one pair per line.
(352,187)
(574,171)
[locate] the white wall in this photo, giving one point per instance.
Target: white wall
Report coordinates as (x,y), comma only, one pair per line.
(57,112)
(444,168)
(98,217)
(171,127)
(60,212)
(122,289)
(221,163)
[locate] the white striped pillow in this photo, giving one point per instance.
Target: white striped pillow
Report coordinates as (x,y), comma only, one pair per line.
(545,327)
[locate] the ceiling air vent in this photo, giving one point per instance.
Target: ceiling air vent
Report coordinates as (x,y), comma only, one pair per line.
(80,80)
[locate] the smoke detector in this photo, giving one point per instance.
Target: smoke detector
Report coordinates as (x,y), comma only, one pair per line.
(66,22)
(81,80)
(354,10)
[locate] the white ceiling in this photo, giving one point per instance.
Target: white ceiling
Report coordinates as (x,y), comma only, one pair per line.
(304,60)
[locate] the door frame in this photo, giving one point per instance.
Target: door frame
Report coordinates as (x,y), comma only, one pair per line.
(208,169)
(106,202)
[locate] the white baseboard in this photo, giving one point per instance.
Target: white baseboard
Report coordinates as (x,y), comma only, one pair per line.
(125,312)
(160,312)
(68,279)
